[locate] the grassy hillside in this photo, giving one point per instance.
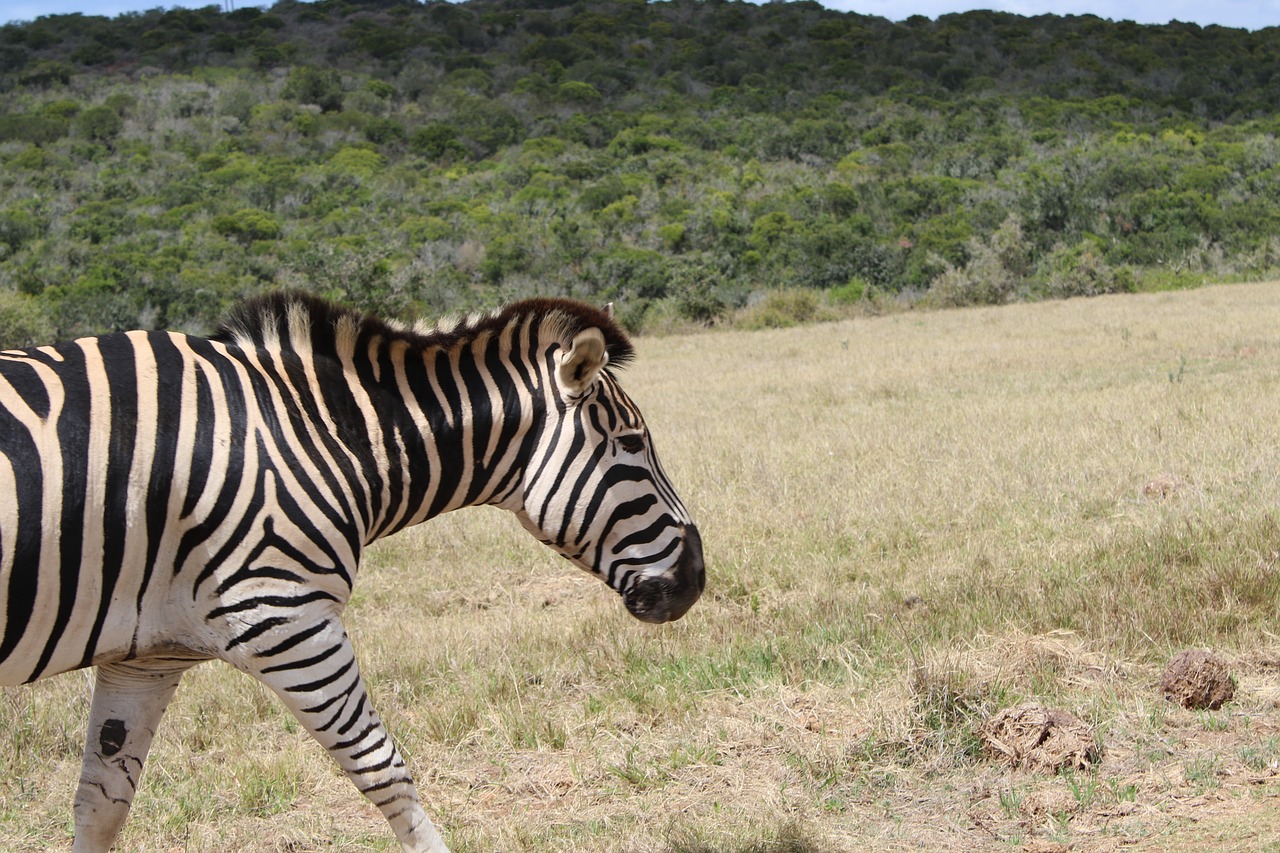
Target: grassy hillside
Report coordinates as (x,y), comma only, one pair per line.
(910,522)
(679,158)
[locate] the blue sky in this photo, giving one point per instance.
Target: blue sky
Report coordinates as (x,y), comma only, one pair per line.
(1248,14)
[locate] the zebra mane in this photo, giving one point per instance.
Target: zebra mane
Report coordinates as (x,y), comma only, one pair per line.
(299,322)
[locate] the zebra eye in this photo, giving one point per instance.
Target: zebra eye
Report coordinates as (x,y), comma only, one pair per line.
(633,443)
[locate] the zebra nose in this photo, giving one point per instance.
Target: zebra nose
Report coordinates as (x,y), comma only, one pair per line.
(665,598)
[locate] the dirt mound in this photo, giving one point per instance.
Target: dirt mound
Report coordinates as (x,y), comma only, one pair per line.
(1198,679)
(1034,737)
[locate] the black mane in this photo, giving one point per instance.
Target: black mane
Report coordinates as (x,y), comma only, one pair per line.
(281,319)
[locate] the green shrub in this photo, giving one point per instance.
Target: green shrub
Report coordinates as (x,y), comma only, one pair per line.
(850,293)
(382,131)
(673,236)
(625,271)
(247,225)
(61,108)
(771,228)
(577,92)
(698,301)
(437,140)
(101,124)
(18,226)
(35,129)
(995,273)
(93,53)
(356,163)
(781,309)
(1082,270)
(22,322)
(308,85)
(46,72)
(380,89)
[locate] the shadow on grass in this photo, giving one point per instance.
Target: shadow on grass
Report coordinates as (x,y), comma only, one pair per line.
(790,837)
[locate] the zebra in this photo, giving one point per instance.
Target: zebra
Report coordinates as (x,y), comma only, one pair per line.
(172,499)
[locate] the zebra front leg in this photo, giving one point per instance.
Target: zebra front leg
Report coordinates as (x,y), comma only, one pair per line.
(128,701)
(314,672)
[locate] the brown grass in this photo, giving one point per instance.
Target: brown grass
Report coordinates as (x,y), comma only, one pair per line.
(911,523)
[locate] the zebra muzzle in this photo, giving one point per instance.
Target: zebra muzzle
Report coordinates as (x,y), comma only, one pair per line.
(667,597)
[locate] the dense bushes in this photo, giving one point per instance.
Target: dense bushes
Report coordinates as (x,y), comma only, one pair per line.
(682,159)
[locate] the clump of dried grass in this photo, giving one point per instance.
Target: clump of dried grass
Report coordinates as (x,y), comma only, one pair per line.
(1033,737)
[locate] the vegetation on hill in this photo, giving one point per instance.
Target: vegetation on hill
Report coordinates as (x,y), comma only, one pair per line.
(680,158)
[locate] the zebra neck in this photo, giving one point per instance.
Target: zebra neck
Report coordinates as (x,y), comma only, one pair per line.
(456,427)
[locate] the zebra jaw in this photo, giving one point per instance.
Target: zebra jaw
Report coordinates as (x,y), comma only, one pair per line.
(668,596)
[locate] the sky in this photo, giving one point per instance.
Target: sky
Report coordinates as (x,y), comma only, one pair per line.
(1245,14)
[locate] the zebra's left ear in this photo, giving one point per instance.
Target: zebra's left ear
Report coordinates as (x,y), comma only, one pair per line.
(580,366)
(608,310)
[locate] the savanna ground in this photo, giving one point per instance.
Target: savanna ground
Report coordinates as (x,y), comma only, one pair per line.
(911,522)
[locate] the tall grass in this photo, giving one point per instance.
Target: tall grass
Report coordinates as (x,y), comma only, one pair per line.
(910,521)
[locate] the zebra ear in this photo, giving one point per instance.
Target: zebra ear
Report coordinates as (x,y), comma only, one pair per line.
(608,310)
(582,363)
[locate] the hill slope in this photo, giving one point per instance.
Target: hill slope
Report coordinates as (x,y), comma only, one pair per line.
(675,157)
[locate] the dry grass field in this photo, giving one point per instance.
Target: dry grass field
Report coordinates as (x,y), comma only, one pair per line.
(910,521)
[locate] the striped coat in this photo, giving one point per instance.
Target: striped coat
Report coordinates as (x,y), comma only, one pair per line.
(179,499)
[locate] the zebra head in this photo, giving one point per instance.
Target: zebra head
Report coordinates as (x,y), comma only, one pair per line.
(593,487)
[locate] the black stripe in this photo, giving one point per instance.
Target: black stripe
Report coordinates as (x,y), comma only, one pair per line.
(257,630)
(605,400)
(420,474)
(119,362)
(376,768)
(553,453)
(340,400)
(590,470)
(270,601)
(511,380)
(28,385)
(355,715)
(397,780)
(646,559)
(649,534)
(236,434)
(340,696)
(301,664)
(204,531)
(448,441)
(484,420)
(28,476)
(369,750)
(628,509)
(73,440)
(351,487)
(613,476)
(287,644)
(323,681)
(510,479)
(252,566)
(364,733)
(201,450)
